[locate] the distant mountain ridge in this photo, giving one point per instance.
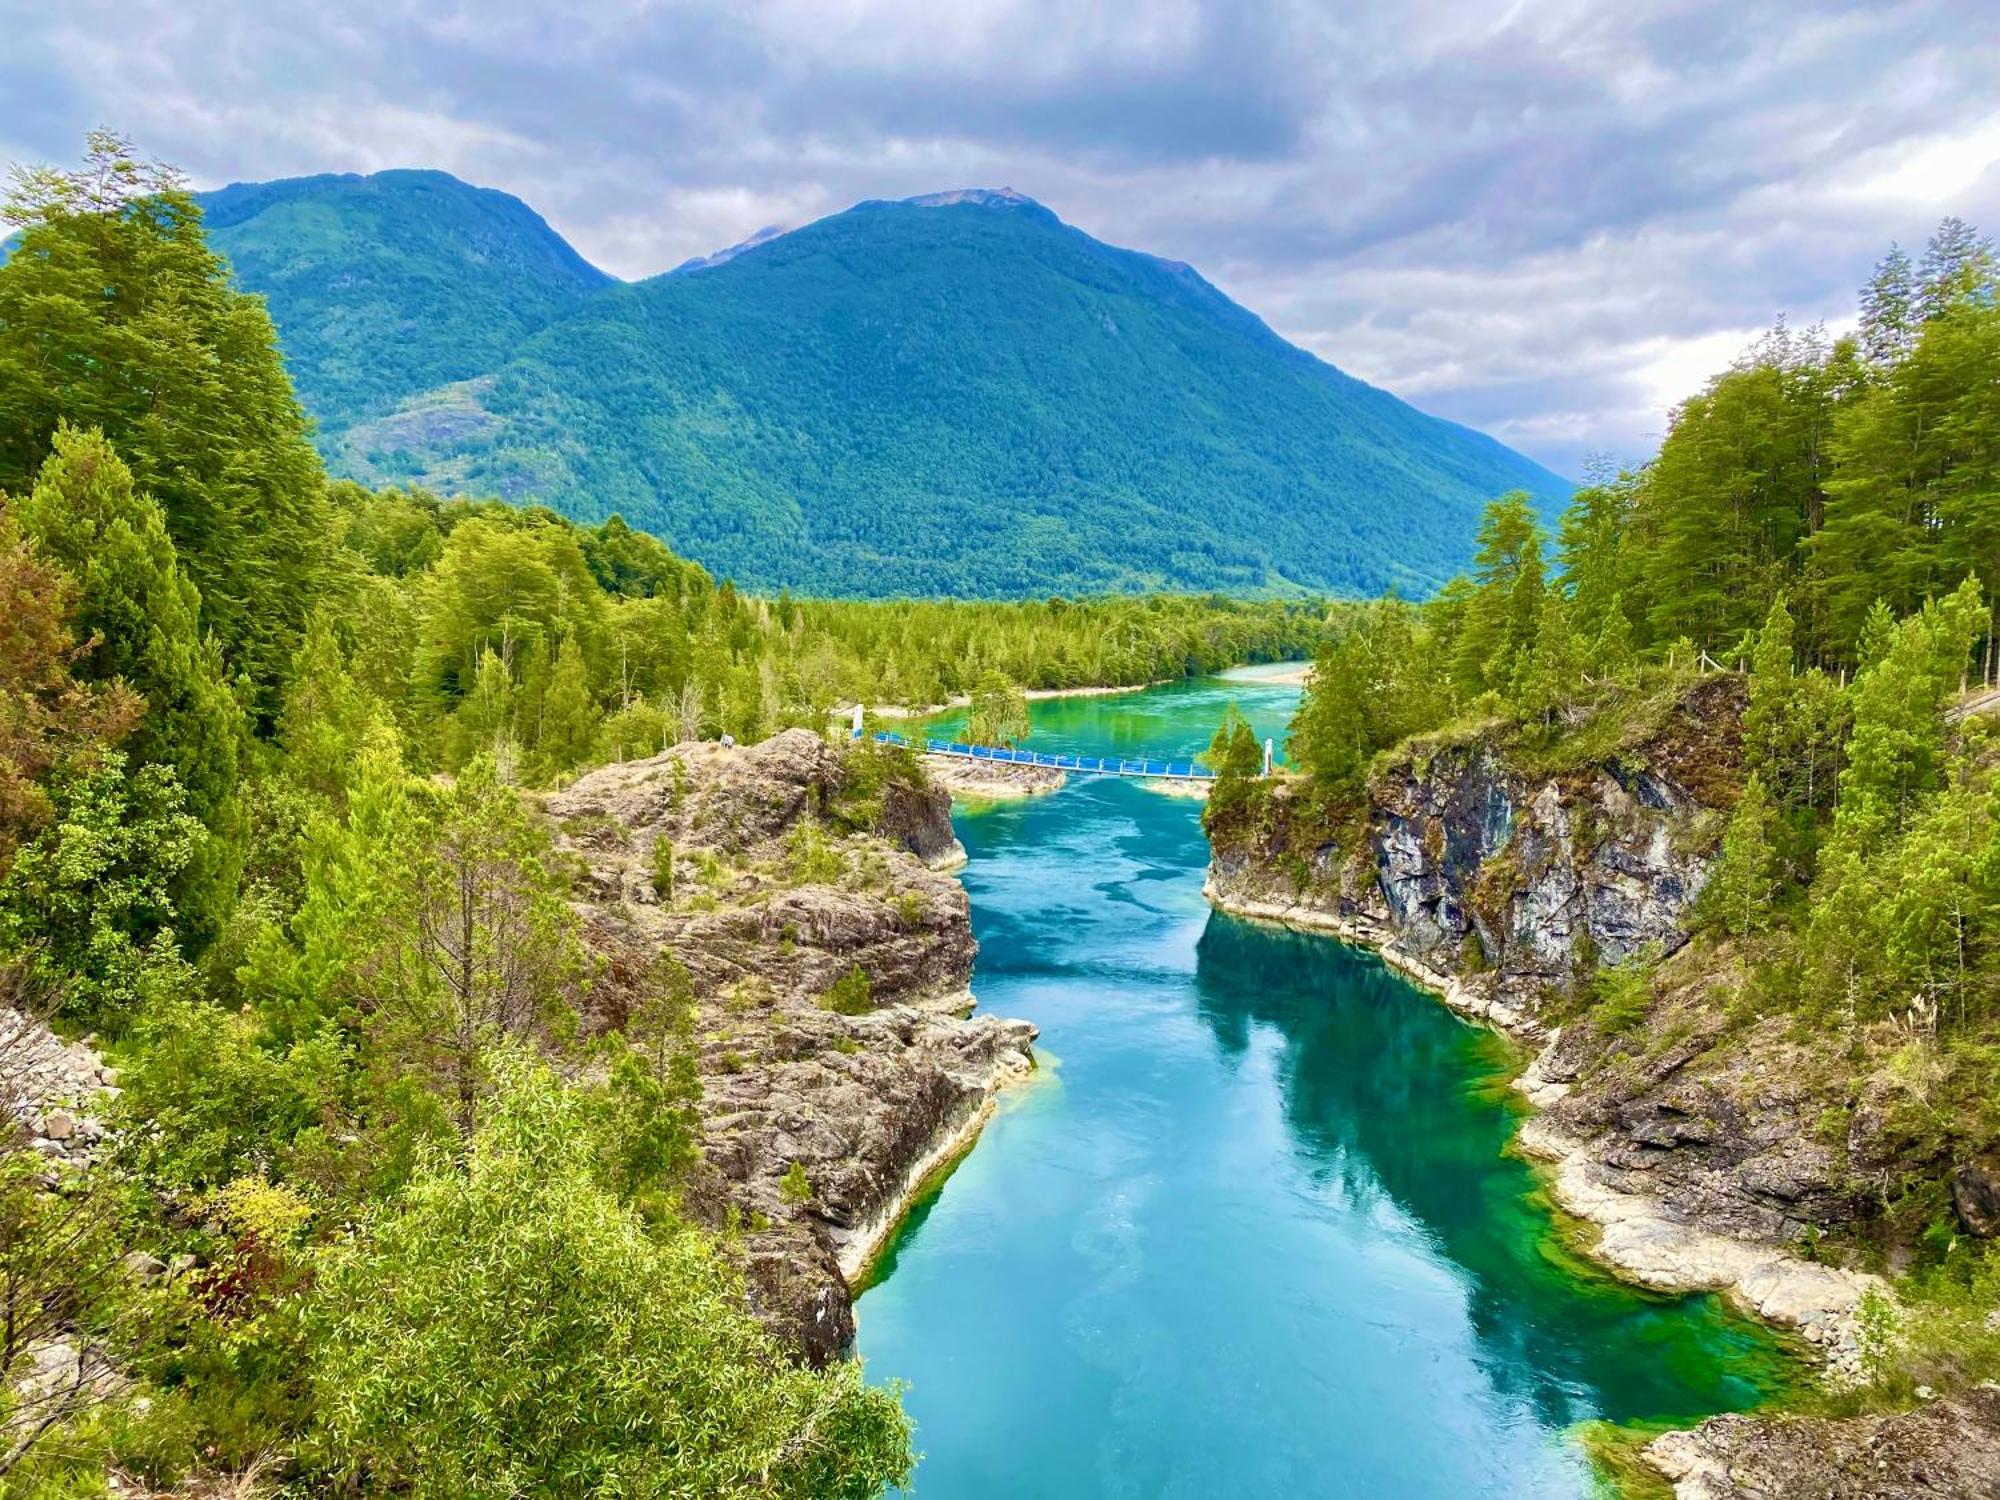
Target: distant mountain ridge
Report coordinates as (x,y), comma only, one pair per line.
(390,284)
(957,393)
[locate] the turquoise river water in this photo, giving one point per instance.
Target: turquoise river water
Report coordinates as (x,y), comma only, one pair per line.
(1251,1230)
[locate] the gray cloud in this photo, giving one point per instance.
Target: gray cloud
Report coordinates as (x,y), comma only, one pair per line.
(1548,220)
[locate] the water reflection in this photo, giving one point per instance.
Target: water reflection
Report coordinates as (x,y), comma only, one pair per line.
(1384,1093)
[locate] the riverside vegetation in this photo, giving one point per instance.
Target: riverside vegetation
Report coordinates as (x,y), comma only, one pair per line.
(1709,794)
(267,748)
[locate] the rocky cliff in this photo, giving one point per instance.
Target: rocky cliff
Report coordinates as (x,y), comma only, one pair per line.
(1503,886)
(1498,880)
(774,872)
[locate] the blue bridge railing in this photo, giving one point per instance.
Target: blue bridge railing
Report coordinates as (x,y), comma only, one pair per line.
(1082,765)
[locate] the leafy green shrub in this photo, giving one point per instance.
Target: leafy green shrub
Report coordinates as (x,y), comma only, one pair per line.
(663,870)
(795,1187)
(203,1103)
(1622,995)
(811,858)
(641,1372)
(849,994)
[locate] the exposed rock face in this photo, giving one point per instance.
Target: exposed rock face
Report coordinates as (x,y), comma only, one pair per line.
(1975,1196)
(786,878)
(1727,1137)
(1510,881)
(1949,1448)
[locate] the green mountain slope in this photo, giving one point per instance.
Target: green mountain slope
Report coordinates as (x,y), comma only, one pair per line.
(387,285)
(954,394)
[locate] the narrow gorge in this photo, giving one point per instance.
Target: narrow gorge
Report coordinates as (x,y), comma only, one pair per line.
(1246,1151)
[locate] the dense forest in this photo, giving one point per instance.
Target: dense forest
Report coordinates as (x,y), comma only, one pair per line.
(956,395)
(1823,518)
(262,740)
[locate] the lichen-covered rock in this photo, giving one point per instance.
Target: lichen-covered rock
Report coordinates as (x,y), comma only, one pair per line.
(1947,1450)
(791,868)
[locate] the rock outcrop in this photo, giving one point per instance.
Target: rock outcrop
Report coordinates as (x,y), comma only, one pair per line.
(1509,881)
(1948,1448)
(51,1089)
(793,864)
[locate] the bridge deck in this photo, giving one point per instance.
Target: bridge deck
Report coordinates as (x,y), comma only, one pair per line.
(1082,765)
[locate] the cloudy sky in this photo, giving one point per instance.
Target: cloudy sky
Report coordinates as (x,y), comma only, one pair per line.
(1548,218)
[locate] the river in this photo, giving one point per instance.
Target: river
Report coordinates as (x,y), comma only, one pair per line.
(1251,1230)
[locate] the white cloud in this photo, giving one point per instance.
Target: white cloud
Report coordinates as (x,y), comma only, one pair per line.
(1551,219)
(1936,172)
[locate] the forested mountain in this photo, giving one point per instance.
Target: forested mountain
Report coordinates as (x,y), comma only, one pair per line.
(957,393)
(385,285)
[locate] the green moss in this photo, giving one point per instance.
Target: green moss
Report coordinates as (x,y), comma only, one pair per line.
(1618,1469)
(849,994)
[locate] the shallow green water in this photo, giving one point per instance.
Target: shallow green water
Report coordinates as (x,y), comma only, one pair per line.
(1251,1231)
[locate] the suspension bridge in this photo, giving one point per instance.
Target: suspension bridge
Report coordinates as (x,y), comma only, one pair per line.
(1079,765)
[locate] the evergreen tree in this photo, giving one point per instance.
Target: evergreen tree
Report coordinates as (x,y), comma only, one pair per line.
(1612,652)
(48,719)
(484,722)
(1745,879)
(1767,739)
(569,714)
(1957,262)
(1914,501)
(1896,751)
(89,901)
(999,713)
(1942,901)
(655,1082)
(474,943)
(116,315)
(326,714)
(1551,672)
(1237,760)
(1591,553)
(1505,603)
(1737,488)
(1889,310)
(85,516)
